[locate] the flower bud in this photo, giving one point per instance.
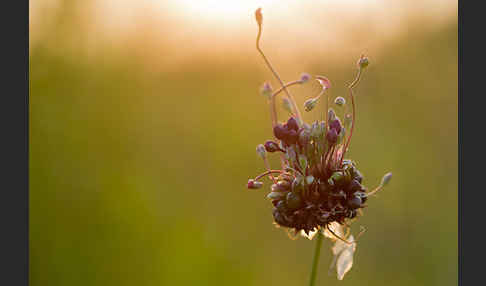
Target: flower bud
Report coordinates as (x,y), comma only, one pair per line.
(309,179)
(337,177)
(252,184)
(260,149)
(271,146)
(304,77)
(283,185)
(309,104)
(267,90)
(259,16)
(286,105)
(292,124)
(354,202)
(294,201)
(304,137)
(332,136)
(282,206)
(386,179)
(279,131)
(336,124)
(363,62)
(276,195)
(331,115)
(297,185)
(340,101)
(292,137)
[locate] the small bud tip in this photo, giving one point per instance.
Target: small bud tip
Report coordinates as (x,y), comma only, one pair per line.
(386,179)
(304,78)
(363,62)
(259,16)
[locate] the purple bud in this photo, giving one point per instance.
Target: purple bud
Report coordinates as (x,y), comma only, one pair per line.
(336,124)
(332,136)
(279,131)
(267,89)
(305,77)
(271,146)
(292,124)
(292,137)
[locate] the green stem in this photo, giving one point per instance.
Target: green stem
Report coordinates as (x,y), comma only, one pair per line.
(315,261)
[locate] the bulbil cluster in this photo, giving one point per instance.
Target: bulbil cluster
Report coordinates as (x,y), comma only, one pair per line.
(315,185)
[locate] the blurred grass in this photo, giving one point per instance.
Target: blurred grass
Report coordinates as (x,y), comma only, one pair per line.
(138,176)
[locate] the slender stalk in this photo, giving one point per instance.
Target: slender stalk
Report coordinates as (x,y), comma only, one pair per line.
(354,83)
(290,97)
(315,261)
(268,172)
(286,85)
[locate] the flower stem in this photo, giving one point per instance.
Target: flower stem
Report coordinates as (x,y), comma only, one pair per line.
(315,261)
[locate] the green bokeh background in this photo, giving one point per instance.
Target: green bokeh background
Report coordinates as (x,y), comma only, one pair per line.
(138,177)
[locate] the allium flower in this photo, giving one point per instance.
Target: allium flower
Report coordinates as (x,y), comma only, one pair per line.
(316,191)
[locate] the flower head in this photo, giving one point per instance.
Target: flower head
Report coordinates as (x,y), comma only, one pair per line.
(316,189)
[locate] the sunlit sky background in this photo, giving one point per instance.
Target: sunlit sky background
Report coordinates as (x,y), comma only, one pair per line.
(226,29)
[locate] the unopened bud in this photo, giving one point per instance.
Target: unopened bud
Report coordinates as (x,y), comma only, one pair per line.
(267,90)
(386,179)
(259,16)
(252,184)
(304,77)
(310,103)
(286,105)
(336,124)
(276,195)
(331,115)
(271,146)
(340,101)
(292,124)
(363,62)
(332,136)
(261,150)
